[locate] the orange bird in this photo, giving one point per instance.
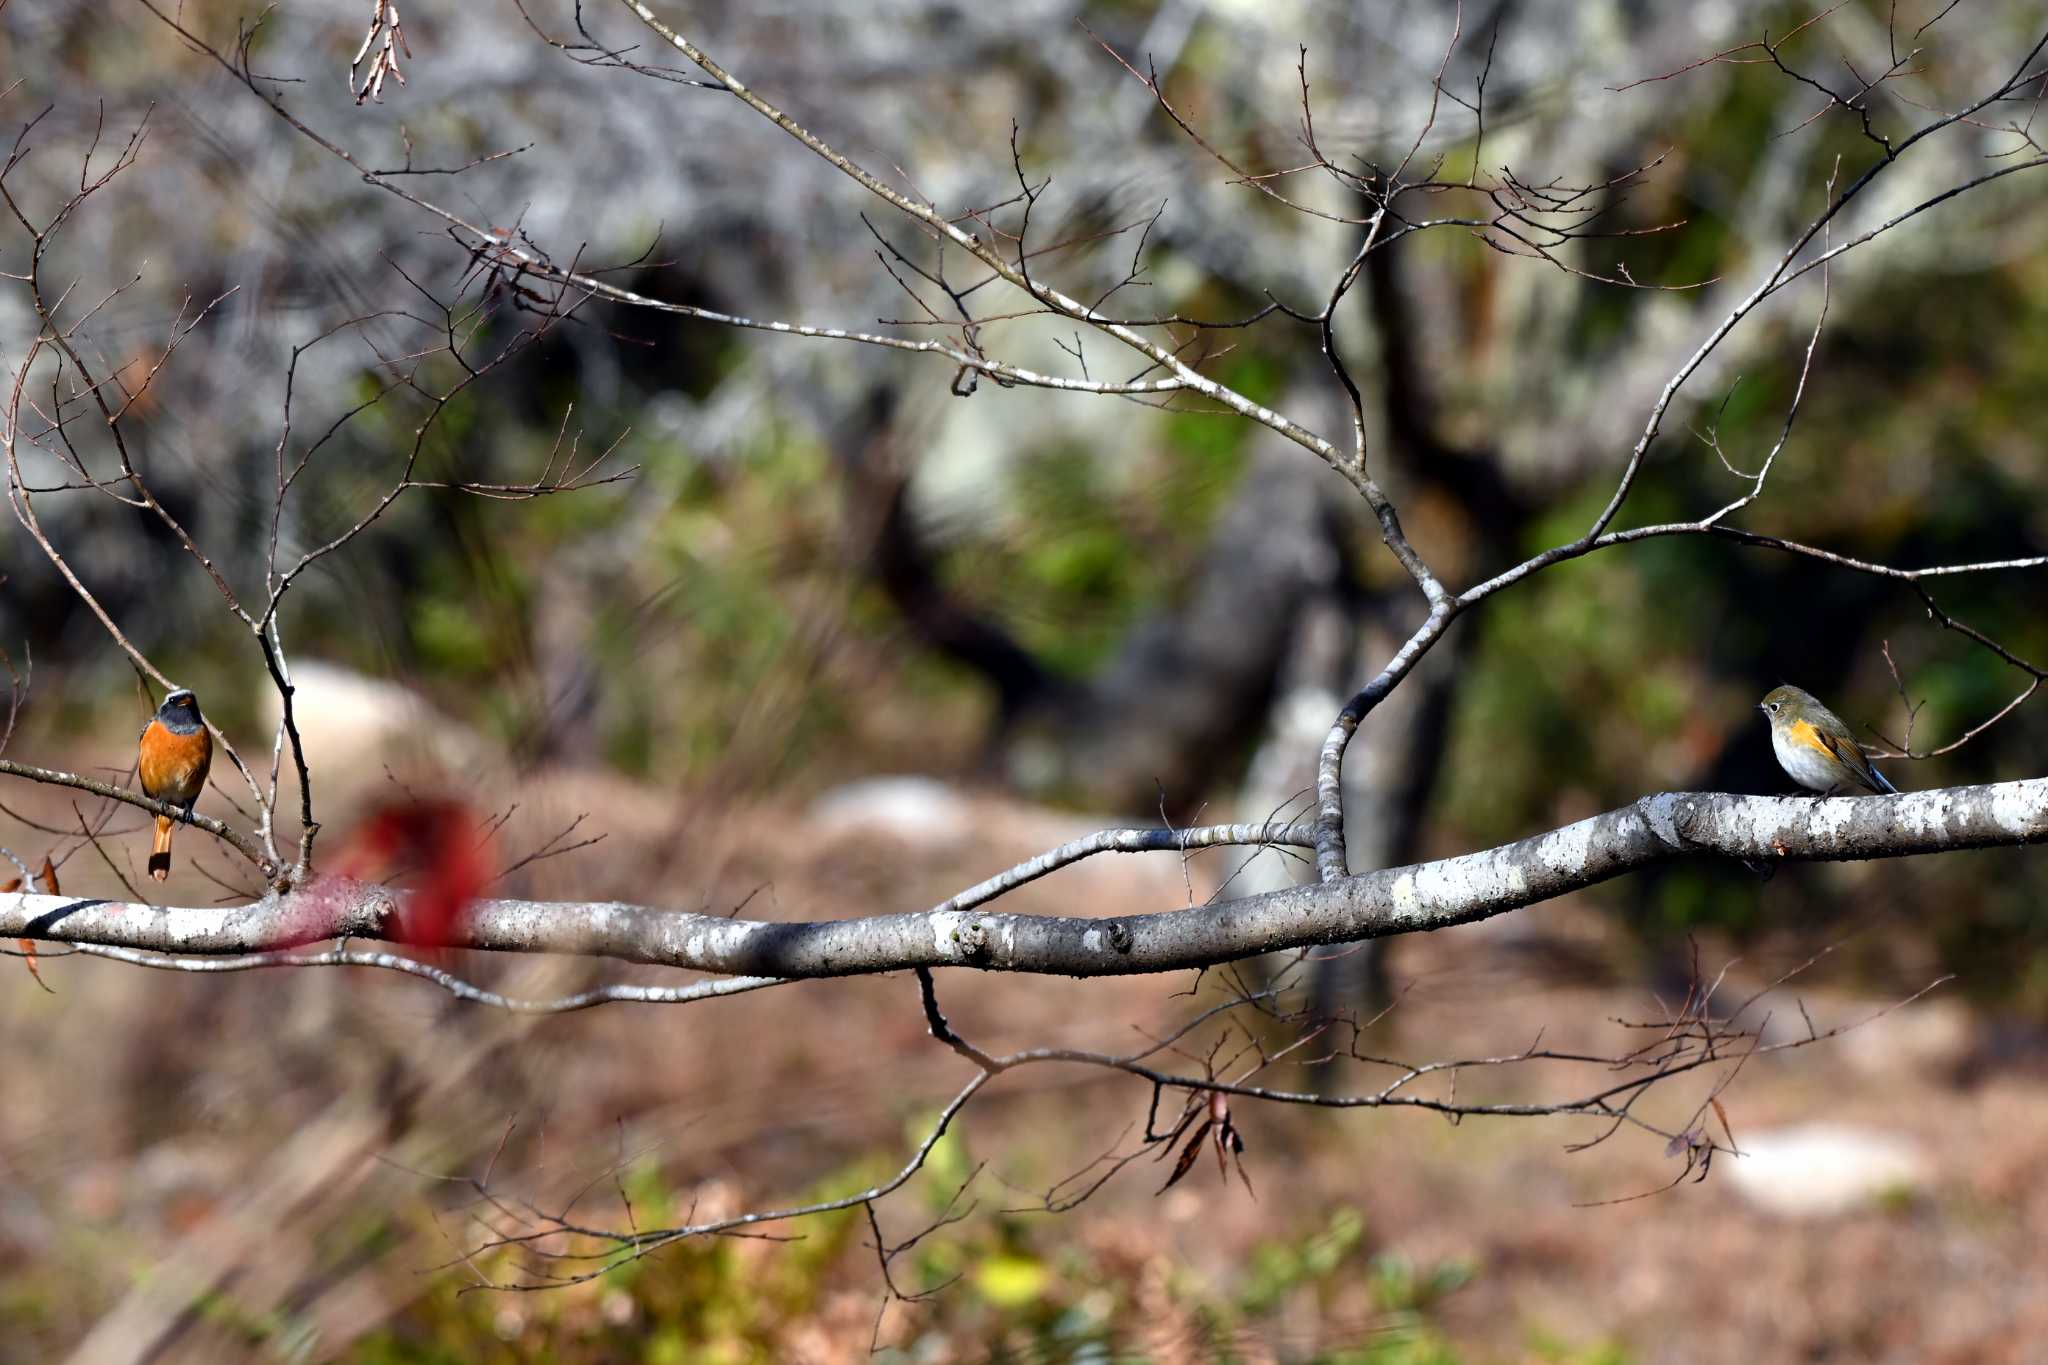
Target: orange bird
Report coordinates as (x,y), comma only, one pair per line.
(172,760)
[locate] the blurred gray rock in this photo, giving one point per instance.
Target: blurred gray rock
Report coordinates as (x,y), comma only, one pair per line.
(1821,1170)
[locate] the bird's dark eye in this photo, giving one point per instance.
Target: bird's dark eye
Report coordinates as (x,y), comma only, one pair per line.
(1774,707)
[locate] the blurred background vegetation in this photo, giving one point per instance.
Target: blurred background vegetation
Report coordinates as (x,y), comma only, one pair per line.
(828,567)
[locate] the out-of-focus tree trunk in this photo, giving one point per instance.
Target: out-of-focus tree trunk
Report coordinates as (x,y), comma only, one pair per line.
(1178,707)
(1391,770)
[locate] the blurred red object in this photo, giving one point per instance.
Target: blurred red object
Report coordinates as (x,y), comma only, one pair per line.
(435,848)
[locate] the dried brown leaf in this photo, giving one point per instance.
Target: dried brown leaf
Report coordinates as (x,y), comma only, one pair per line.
(1187,1157)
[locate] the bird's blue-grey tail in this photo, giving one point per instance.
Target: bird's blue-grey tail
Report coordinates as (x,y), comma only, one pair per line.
(1883,781)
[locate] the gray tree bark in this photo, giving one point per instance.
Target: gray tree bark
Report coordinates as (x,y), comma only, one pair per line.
(1434,895)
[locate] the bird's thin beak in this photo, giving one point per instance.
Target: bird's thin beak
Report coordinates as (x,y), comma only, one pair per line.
(1765,709)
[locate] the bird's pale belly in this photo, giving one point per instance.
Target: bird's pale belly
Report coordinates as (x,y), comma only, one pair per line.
(1808,766)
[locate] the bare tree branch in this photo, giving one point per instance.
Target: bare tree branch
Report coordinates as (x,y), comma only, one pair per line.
(612,993)
(1435,895)
(219,829)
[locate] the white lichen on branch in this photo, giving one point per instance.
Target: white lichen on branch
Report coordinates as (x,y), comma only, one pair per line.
(1459,890)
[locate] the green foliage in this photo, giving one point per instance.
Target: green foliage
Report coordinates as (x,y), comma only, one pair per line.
(1635,671)
(1094,541)
(1280,1267)
(1545,1347)
(1009,1286)
(452,640)
(711,1299)
(1587,681)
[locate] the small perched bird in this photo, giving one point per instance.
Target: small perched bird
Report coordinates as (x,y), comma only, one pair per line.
(172,759)
(1816,749)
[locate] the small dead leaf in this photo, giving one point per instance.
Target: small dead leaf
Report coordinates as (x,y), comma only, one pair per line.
(1187,1157)
(47,880)
(1722,1114)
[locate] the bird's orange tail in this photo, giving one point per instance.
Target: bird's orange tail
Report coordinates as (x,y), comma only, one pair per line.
(160,850)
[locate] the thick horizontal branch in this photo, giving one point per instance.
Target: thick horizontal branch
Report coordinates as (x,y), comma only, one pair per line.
(1400,900)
